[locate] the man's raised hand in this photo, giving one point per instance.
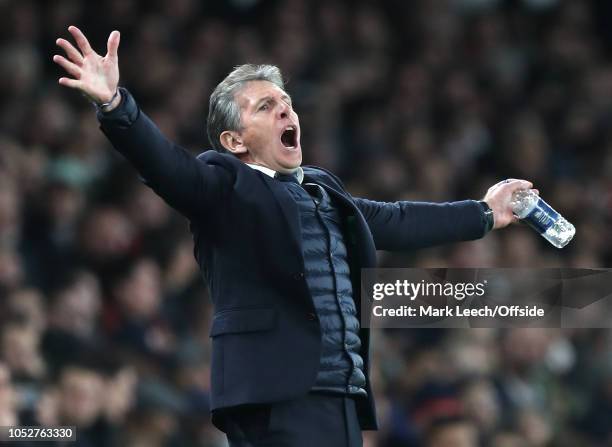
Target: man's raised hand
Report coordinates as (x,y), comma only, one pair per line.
(95,76)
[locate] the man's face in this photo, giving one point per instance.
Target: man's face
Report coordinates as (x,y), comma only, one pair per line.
(270,131)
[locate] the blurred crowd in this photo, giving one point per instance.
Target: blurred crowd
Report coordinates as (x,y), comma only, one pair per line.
(104,318)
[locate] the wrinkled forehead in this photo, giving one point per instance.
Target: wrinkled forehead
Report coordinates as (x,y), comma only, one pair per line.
(253,91)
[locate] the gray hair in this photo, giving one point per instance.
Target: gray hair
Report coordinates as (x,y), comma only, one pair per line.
(223,112)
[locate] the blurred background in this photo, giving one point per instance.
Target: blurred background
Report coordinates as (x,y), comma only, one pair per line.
(103,316)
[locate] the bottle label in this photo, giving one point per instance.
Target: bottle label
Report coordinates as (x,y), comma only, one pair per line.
(541,217)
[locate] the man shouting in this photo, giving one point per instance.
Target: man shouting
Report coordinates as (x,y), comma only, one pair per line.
(281,248)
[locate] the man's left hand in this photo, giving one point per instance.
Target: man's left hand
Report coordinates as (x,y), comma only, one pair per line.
(498,198)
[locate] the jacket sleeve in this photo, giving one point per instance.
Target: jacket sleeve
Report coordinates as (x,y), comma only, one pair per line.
(409,225)
(187,184)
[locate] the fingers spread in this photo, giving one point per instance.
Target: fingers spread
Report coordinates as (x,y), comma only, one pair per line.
(72,53)
(113,45)
(81,40)
(71,68)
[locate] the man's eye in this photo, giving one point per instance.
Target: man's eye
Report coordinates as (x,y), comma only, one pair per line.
(264,107)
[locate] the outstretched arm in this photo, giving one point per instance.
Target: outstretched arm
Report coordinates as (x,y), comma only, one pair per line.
(187,184)
(408,225)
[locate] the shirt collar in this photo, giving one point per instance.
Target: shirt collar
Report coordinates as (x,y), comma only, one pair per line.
(299,172)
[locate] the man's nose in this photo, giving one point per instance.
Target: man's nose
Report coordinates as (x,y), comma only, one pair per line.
(283,110)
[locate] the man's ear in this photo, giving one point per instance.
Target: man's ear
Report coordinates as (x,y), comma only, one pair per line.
(232,141)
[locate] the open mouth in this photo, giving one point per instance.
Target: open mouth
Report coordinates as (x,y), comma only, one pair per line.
(289,137)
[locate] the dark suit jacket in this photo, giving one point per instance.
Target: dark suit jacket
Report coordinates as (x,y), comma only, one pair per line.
(265,334)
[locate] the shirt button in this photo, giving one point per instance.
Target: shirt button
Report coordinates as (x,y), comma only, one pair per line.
(311,316)
(298,276)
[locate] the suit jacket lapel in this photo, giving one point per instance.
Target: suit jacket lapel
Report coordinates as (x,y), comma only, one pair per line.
(288,208)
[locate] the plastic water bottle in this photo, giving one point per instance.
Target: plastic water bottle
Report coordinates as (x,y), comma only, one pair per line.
(539,215)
